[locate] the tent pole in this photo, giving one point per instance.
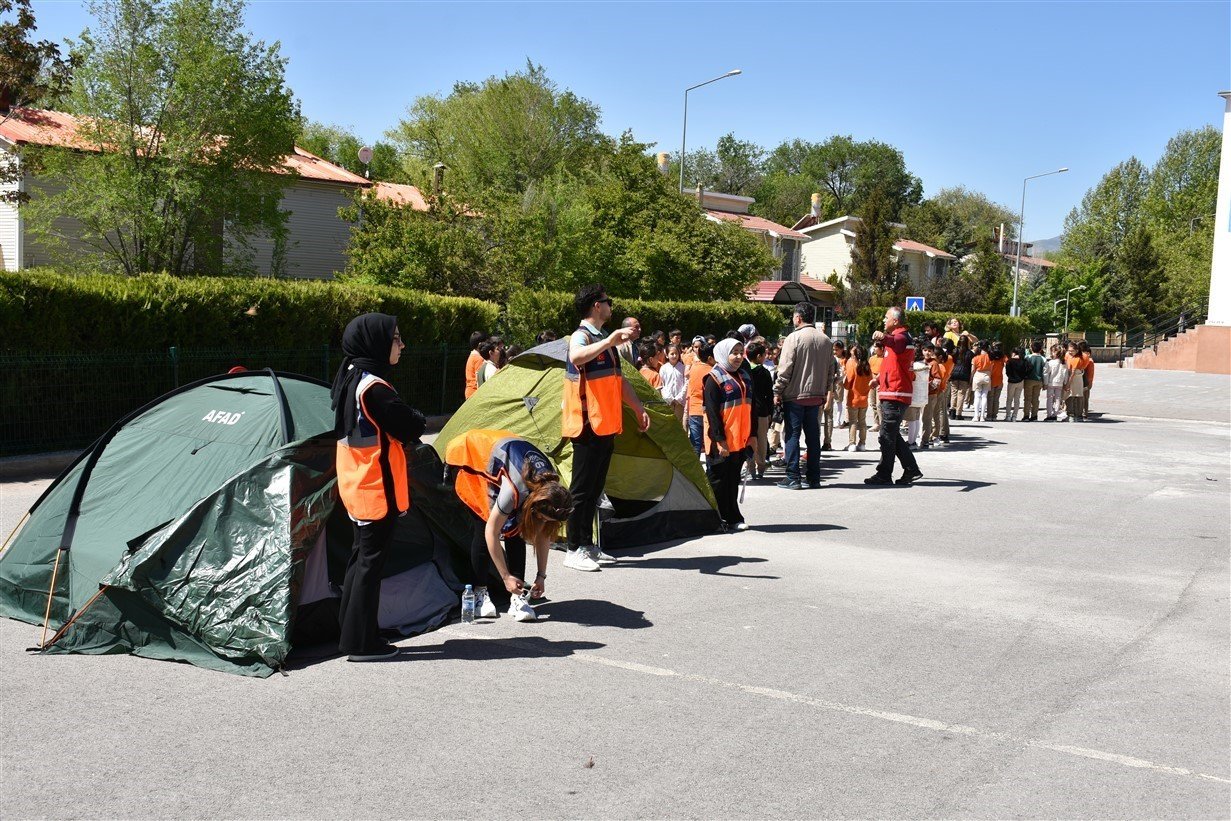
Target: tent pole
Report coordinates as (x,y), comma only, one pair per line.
(51,593)
(13,533)
(77,615)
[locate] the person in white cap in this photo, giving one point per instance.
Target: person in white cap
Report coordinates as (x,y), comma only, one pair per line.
(748,331)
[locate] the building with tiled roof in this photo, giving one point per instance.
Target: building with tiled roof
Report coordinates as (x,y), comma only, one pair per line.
(828,251)
(782,242)
(317,235)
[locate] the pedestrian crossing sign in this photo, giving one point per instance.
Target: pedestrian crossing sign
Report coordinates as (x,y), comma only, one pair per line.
(914,303)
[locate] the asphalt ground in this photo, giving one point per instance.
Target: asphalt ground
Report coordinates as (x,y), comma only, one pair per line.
(1038,628)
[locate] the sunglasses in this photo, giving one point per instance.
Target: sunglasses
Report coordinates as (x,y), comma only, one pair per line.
(606,299)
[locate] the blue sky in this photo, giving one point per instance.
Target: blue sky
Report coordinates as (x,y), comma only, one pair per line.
(980,94)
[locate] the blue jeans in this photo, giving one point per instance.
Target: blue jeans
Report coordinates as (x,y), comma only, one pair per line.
(893,447)
(805,418)
(696,426)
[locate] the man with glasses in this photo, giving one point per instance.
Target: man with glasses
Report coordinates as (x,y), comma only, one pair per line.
(594,395)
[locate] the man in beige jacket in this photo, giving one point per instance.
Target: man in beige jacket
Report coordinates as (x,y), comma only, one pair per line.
(801,385)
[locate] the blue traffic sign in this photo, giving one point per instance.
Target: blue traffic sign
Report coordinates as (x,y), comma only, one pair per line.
(915,303)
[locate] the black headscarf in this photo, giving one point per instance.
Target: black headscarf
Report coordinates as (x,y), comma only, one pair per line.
(366,343)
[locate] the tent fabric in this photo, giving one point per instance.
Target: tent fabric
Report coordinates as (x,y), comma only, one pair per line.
(656,486)
(196,517)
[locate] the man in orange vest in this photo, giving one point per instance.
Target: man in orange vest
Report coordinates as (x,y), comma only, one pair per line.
(593,414)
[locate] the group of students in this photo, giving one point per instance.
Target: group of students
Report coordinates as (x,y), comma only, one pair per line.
(721,392)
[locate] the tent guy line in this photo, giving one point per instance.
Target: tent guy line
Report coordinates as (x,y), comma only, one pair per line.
(866,712)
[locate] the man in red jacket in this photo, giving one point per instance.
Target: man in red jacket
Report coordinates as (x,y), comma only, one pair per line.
(894,387)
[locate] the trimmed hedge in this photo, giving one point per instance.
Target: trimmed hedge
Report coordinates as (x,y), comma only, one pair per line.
(530,312)
(1008,329)
(54,312)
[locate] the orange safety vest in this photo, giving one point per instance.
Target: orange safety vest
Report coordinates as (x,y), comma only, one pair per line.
(365,459)
(736,410)
(484,458)
(595,393)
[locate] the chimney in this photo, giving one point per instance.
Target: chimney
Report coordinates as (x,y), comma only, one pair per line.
(816,206)
(438,178)
(663,162)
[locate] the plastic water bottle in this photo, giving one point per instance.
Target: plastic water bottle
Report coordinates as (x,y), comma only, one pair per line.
(468,605)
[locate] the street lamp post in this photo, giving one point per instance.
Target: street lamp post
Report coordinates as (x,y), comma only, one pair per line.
(1021,220)
(684,139)
(1068,296)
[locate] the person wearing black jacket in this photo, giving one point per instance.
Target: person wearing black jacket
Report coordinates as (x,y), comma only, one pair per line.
(959,380)
(1015,372)
(372,425)
(763,394)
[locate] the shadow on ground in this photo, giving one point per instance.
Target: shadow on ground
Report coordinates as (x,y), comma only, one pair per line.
(794,528)
(594,613)
(706,565)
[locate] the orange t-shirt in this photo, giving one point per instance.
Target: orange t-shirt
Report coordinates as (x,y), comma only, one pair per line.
(1089,370)
(688,356)
(652,377)
(696,401)
(948,366)
(936,371)
(982,362)
(1074,363)
(857,387)
(998,372)
(875,363)
(473,363)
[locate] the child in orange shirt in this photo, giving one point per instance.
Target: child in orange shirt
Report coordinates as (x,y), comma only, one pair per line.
(1084,347)
(694,405)
(474,362)
(1076,383)
(652,359)
(936,386)
(998,360)
(875,358)
(981,381)
(858,384)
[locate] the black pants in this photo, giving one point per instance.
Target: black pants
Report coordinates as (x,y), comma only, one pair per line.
(360,604)
(891,442)
(484,569)
(591,458)
(724,479)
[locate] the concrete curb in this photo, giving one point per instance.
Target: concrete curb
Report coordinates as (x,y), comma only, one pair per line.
(49,465)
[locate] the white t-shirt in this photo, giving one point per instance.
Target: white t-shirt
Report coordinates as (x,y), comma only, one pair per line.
(674,385)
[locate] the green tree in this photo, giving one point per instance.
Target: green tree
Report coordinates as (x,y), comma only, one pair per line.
(503,135)
(31,73)
(874,277)
(846,172)
(988,273)
(733,167)
(1107,213)
(1183,186)
(1138,284)
(1087,279)
(185,122)
(341,147)
(441,251)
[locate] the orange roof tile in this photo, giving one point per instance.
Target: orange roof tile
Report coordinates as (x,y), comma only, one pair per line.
(760,224)
(30,126)
(919,247)
(400,194)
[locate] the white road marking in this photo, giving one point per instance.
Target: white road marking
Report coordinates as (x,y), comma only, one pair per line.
(866,712)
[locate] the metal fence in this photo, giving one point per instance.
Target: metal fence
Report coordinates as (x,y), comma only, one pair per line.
(54,402)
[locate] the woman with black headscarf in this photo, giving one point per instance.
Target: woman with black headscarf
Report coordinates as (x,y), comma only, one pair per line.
(372,424)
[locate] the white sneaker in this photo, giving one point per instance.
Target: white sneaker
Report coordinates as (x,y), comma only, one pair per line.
(521,610)
(851,448)
(484,606)
(598,556)
(741,527)
(579,559)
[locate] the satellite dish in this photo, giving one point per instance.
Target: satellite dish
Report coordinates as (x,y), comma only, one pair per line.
(365,155)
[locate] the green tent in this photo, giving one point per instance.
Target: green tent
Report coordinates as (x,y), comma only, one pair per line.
(656,487)
(205,528)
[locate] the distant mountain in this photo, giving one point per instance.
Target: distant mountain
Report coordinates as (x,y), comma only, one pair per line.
(1041,245)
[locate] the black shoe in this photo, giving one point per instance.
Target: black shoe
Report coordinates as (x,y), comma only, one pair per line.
(381,652)
(878,479)
(814,485)
(789,484)
(826,446)
(909,477)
